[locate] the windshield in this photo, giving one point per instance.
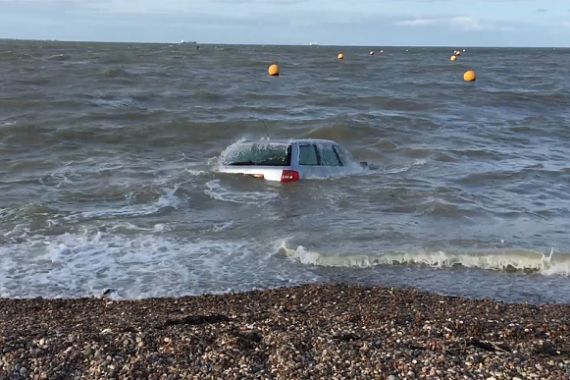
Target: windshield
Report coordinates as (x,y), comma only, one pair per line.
(260,155)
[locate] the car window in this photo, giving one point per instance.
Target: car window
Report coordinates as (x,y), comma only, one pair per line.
(343,154)
(260,154)
(308,155)
(329,157)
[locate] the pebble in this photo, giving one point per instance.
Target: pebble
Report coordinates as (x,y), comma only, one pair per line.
(313,331)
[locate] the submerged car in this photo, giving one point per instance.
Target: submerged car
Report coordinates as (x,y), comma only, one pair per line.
(288,161)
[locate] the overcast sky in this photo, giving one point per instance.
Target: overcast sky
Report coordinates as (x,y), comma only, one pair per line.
(335,22)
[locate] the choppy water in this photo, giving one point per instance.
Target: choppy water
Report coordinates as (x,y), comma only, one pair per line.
(107,154)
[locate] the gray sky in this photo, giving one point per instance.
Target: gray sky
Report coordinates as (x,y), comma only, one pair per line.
(336,22)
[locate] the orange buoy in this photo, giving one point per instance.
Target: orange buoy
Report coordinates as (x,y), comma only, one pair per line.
(453,58)
(273,70)
(470,76)
(340,56)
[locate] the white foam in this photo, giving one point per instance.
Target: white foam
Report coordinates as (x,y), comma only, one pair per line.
(230,151)
(519,260)
(215,190)
(195,172)
(419,162)
(118,226)
(147,264)
(72,172)
(159,227)
(219,227)
(56,56)
(5,212)
(167,199)
(19,231)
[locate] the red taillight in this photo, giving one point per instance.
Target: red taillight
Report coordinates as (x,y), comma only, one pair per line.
(290,176)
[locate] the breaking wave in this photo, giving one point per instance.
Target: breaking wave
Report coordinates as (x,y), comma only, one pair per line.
(139,264)
(514,260)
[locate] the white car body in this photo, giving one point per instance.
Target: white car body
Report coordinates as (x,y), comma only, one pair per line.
(288,161)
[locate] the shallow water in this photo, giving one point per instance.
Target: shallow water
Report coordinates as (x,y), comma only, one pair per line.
(108,151)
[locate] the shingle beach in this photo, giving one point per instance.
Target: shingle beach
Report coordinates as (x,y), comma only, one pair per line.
(308,332)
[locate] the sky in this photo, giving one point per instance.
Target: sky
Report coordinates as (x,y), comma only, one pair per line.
(295,22)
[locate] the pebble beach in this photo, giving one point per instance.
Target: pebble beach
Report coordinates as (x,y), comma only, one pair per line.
(307,332)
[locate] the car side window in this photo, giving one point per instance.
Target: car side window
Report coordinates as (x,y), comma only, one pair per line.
(308,155)
(344,156)
(329,156)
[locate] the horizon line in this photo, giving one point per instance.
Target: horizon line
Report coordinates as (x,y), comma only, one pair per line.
(309,44)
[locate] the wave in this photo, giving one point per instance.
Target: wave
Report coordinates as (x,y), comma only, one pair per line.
(166,200)
(19,222)
(403,169)
(341,132)
(58,57)
(146,264)
(117,103)
(504,260)
(117,72)
(215,190)
(230,151)
(509,176)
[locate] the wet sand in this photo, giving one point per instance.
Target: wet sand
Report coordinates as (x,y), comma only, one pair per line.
(309,332)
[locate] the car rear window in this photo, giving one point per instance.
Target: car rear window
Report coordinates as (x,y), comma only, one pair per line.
(260,155)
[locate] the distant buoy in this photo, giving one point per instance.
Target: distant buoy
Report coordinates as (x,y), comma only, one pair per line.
(340,56)
(458,53)
(464,50)
(273,70)
(470,76)
(381,51)
(371,53)
(453,58)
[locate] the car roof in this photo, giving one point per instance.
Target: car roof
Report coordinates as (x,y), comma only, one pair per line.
(293,141)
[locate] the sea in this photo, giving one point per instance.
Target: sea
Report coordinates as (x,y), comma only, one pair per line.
(108,157)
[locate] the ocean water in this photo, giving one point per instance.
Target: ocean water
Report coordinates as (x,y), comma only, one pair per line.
(108,155)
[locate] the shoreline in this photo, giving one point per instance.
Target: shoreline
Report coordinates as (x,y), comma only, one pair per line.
(312,331)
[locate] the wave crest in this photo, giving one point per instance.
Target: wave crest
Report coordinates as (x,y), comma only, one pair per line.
(510,260)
